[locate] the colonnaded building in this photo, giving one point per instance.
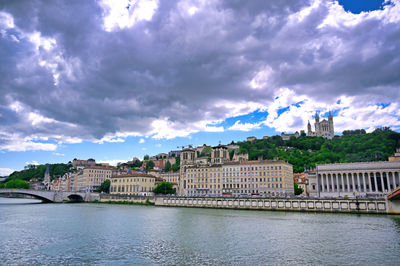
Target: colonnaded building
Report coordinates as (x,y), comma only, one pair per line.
(362,178)
(217,175)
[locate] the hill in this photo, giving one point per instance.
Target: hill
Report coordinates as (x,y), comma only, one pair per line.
(305,152)
(37,171)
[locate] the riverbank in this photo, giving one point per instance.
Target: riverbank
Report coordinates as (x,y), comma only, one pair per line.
(371,206)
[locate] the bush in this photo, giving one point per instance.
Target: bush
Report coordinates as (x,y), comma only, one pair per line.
(17,183)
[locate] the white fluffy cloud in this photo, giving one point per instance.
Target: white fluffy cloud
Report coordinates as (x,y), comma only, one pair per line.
(6,171)
(244,126)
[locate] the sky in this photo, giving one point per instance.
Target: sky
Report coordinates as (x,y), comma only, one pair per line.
(112,80)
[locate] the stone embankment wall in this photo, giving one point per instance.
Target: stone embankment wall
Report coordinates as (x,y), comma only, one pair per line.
(379,206)
(127,198)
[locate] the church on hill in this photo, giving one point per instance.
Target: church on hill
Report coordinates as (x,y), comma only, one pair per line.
(323,128)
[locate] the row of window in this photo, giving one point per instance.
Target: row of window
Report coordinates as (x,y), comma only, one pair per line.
(235,174)
(123,180)
(131,188)
(205,186)
(235,169)
(230,180)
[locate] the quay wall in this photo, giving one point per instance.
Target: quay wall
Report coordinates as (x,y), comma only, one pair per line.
(127,198)
(377,206)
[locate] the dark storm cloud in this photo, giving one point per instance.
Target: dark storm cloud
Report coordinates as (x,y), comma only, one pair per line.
(179,67)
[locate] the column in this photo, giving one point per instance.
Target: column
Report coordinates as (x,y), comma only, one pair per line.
(376,183)
(348,185)
(333,183)
(352,182)
(341,178)
(388,181)
(359,184)
(369,182)
(394,180)
(322,183)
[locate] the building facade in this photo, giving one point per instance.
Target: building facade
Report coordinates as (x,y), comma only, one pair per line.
(133,184)
(323,128)
(240,179)
(83,163)
(357,179)
(90,178)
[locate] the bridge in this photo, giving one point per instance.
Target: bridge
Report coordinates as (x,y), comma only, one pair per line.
(50,195)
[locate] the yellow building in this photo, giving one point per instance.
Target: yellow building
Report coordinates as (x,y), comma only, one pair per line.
(133,184)
(90,178)
(274,177)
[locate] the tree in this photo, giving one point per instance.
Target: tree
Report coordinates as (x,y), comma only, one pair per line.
(104,187)
(17,183)
(2,185)
(146,157)
(164,188)
(297,190)
(149,165)
(167,167)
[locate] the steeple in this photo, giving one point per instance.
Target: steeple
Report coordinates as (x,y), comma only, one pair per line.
(46,180)
(316,117)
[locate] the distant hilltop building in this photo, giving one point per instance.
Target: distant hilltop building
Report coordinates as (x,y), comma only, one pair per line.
(288,136)
(83,163)
(323,128)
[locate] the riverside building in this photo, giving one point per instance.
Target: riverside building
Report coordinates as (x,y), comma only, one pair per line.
(362,178)
(133,184)
(90,178)
(240,179)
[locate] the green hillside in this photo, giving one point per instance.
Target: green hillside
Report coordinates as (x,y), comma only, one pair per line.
(37,171)
(353,146)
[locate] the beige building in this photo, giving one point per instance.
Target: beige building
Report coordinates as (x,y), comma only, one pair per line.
(90,178)
(235,179)
(83,163)
(170,177)
(396,156)
(133,184)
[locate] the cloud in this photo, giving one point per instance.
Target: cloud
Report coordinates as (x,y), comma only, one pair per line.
(32,163)
(244,126)
(6,171)
(58,154)
(113,162)
(142,140)
(169,69)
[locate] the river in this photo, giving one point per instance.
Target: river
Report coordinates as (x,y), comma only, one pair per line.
(101,234)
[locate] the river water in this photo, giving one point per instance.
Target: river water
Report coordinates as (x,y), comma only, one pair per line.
(75,234)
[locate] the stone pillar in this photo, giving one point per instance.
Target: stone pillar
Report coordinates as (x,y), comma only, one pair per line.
(382,182)
(359,184)
(347,180)
(388,181)
(322,183)
(352,182)
(394,180)
(333,182)
(342,179)
(327,183)
(376,183)
(369,181)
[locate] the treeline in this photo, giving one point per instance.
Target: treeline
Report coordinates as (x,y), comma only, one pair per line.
(37,171)
(306,152)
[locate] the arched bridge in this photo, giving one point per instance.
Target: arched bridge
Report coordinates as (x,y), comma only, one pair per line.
(51,196)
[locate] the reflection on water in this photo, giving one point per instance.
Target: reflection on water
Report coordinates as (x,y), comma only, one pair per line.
(9,201)
(111,234)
